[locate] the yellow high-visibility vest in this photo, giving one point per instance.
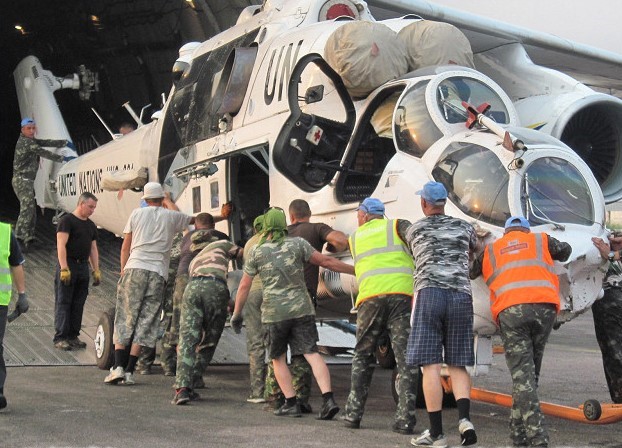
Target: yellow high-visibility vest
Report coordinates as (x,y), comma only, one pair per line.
(382,262)
(5,269)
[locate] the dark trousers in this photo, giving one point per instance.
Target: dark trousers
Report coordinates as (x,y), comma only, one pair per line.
(70,300)
(607,314)
(4,309)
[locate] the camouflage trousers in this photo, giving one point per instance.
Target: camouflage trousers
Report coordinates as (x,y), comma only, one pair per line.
(139,299)
(172,316)
(302,377)
(375,316)
(524,331)
(168,356)
(607,313)
(25,192)
(256,343)
(203,318)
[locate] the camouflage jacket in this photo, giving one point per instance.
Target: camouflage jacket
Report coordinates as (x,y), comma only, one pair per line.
(613,279)
(281,269)
(27,151)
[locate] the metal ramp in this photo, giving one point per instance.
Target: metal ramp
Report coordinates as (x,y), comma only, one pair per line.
(28,339)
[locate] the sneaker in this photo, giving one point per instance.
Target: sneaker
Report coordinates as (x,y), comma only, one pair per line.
(425,439)
(63,345)
(256,400)
(76,343)
(467,432)
(404,427)
(169,372)
(143,370)
(288,411)
(329,410)
(128,379)
(182,396)
(194,396)
(115,375)
(2,402)
(306,408)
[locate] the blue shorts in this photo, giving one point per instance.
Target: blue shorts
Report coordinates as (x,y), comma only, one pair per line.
(442,319)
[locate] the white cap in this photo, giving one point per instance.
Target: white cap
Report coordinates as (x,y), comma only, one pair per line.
(152,190)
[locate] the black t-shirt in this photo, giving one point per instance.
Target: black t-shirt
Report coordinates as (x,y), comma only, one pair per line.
(15,256)
(315,233)
(82,233)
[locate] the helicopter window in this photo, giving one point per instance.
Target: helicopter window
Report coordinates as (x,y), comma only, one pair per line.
(554,191)
(191,115)
(476,181)
(413,127)
(453,91)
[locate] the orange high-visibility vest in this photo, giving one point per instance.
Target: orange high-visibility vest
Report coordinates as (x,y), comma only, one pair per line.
(518,268)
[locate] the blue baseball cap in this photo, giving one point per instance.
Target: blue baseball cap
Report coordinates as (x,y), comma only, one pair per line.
(27,120)
(433,193)
(517,221)
(372,206)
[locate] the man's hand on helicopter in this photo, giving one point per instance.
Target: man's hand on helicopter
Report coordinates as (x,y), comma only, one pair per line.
(226,209)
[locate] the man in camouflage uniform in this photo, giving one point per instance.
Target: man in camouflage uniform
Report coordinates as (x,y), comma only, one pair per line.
(204,310)
(442,322)
(287,310)
(384,270)
(524,295)
(25,164)
(607,313)
(255,332)
(317,234)
(204,222)
(148,237)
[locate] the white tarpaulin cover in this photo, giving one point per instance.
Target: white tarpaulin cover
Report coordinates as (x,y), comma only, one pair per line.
(365,55)
(124,180)
(435,43)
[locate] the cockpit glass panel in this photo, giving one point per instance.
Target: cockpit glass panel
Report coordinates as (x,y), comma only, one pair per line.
(453,91)
(413,127)
(554,191)
(476,181)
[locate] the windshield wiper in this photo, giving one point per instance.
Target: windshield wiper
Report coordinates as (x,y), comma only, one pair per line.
(532,208)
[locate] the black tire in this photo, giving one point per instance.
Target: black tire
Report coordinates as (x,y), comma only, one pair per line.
(104,348)
(592,410)
(394,383)
(449,401)
(384,353)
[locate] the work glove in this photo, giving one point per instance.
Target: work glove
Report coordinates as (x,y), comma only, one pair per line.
(236,323)
(21,307)
(68,158)
(65,276)
(70,145)
(97,277)
(226,209)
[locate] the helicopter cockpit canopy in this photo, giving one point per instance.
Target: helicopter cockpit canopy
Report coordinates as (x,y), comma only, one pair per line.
(431,109)
(552,189)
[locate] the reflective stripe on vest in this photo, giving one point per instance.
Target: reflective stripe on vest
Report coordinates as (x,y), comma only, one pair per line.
(529,279)
(5,271)
(382,261)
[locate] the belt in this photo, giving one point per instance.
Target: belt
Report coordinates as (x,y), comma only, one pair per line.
(78,260)
(210,277)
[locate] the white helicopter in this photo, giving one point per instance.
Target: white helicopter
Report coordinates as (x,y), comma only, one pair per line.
(259,117)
